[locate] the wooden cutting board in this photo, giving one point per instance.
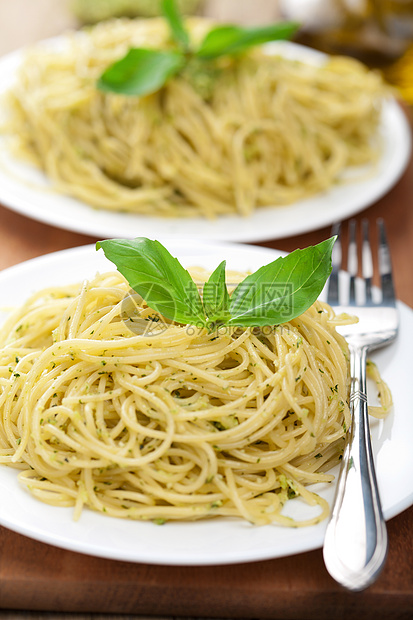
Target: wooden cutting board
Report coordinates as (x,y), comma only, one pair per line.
(35,576)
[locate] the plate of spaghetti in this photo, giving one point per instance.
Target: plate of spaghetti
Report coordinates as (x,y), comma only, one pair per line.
(281,141)
(130,437)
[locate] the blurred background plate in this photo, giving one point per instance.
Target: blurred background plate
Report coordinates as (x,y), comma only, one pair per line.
(27,191)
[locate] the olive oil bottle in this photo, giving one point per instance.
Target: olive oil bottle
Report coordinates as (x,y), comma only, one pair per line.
(377,32)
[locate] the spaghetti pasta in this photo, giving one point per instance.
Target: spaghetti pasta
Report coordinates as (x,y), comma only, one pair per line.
(172,422)
(248,132)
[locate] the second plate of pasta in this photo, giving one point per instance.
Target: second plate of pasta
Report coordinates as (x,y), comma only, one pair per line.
(27,190)
(224,538)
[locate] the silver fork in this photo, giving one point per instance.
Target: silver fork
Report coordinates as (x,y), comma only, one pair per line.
(355,545)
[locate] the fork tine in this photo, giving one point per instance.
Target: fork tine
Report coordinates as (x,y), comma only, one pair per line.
(367,261)
(352,264)
(332,290)
(385,268)
(356,514)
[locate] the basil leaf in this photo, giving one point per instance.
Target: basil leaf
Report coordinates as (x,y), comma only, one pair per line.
(141,71)
(158,277)
(284,289)
(215,296)
(276,293)
(176,24)
(233,39)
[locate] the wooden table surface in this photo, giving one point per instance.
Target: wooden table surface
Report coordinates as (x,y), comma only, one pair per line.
(36,576)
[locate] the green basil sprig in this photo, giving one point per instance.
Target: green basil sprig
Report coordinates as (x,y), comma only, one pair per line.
(141,72)
(158,277)
(274,294)
(176,25)
(227,40)
(144,71)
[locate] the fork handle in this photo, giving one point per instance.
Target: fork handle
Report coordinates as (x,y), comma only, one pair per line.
(355,546)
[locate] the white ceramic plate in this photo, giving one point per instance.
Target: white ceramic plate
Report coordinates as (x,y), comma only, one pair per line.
(340,202)
(217,541)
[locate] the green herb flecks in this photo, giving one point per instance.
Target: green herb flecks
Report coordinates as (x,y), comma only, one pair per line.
(144,71)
